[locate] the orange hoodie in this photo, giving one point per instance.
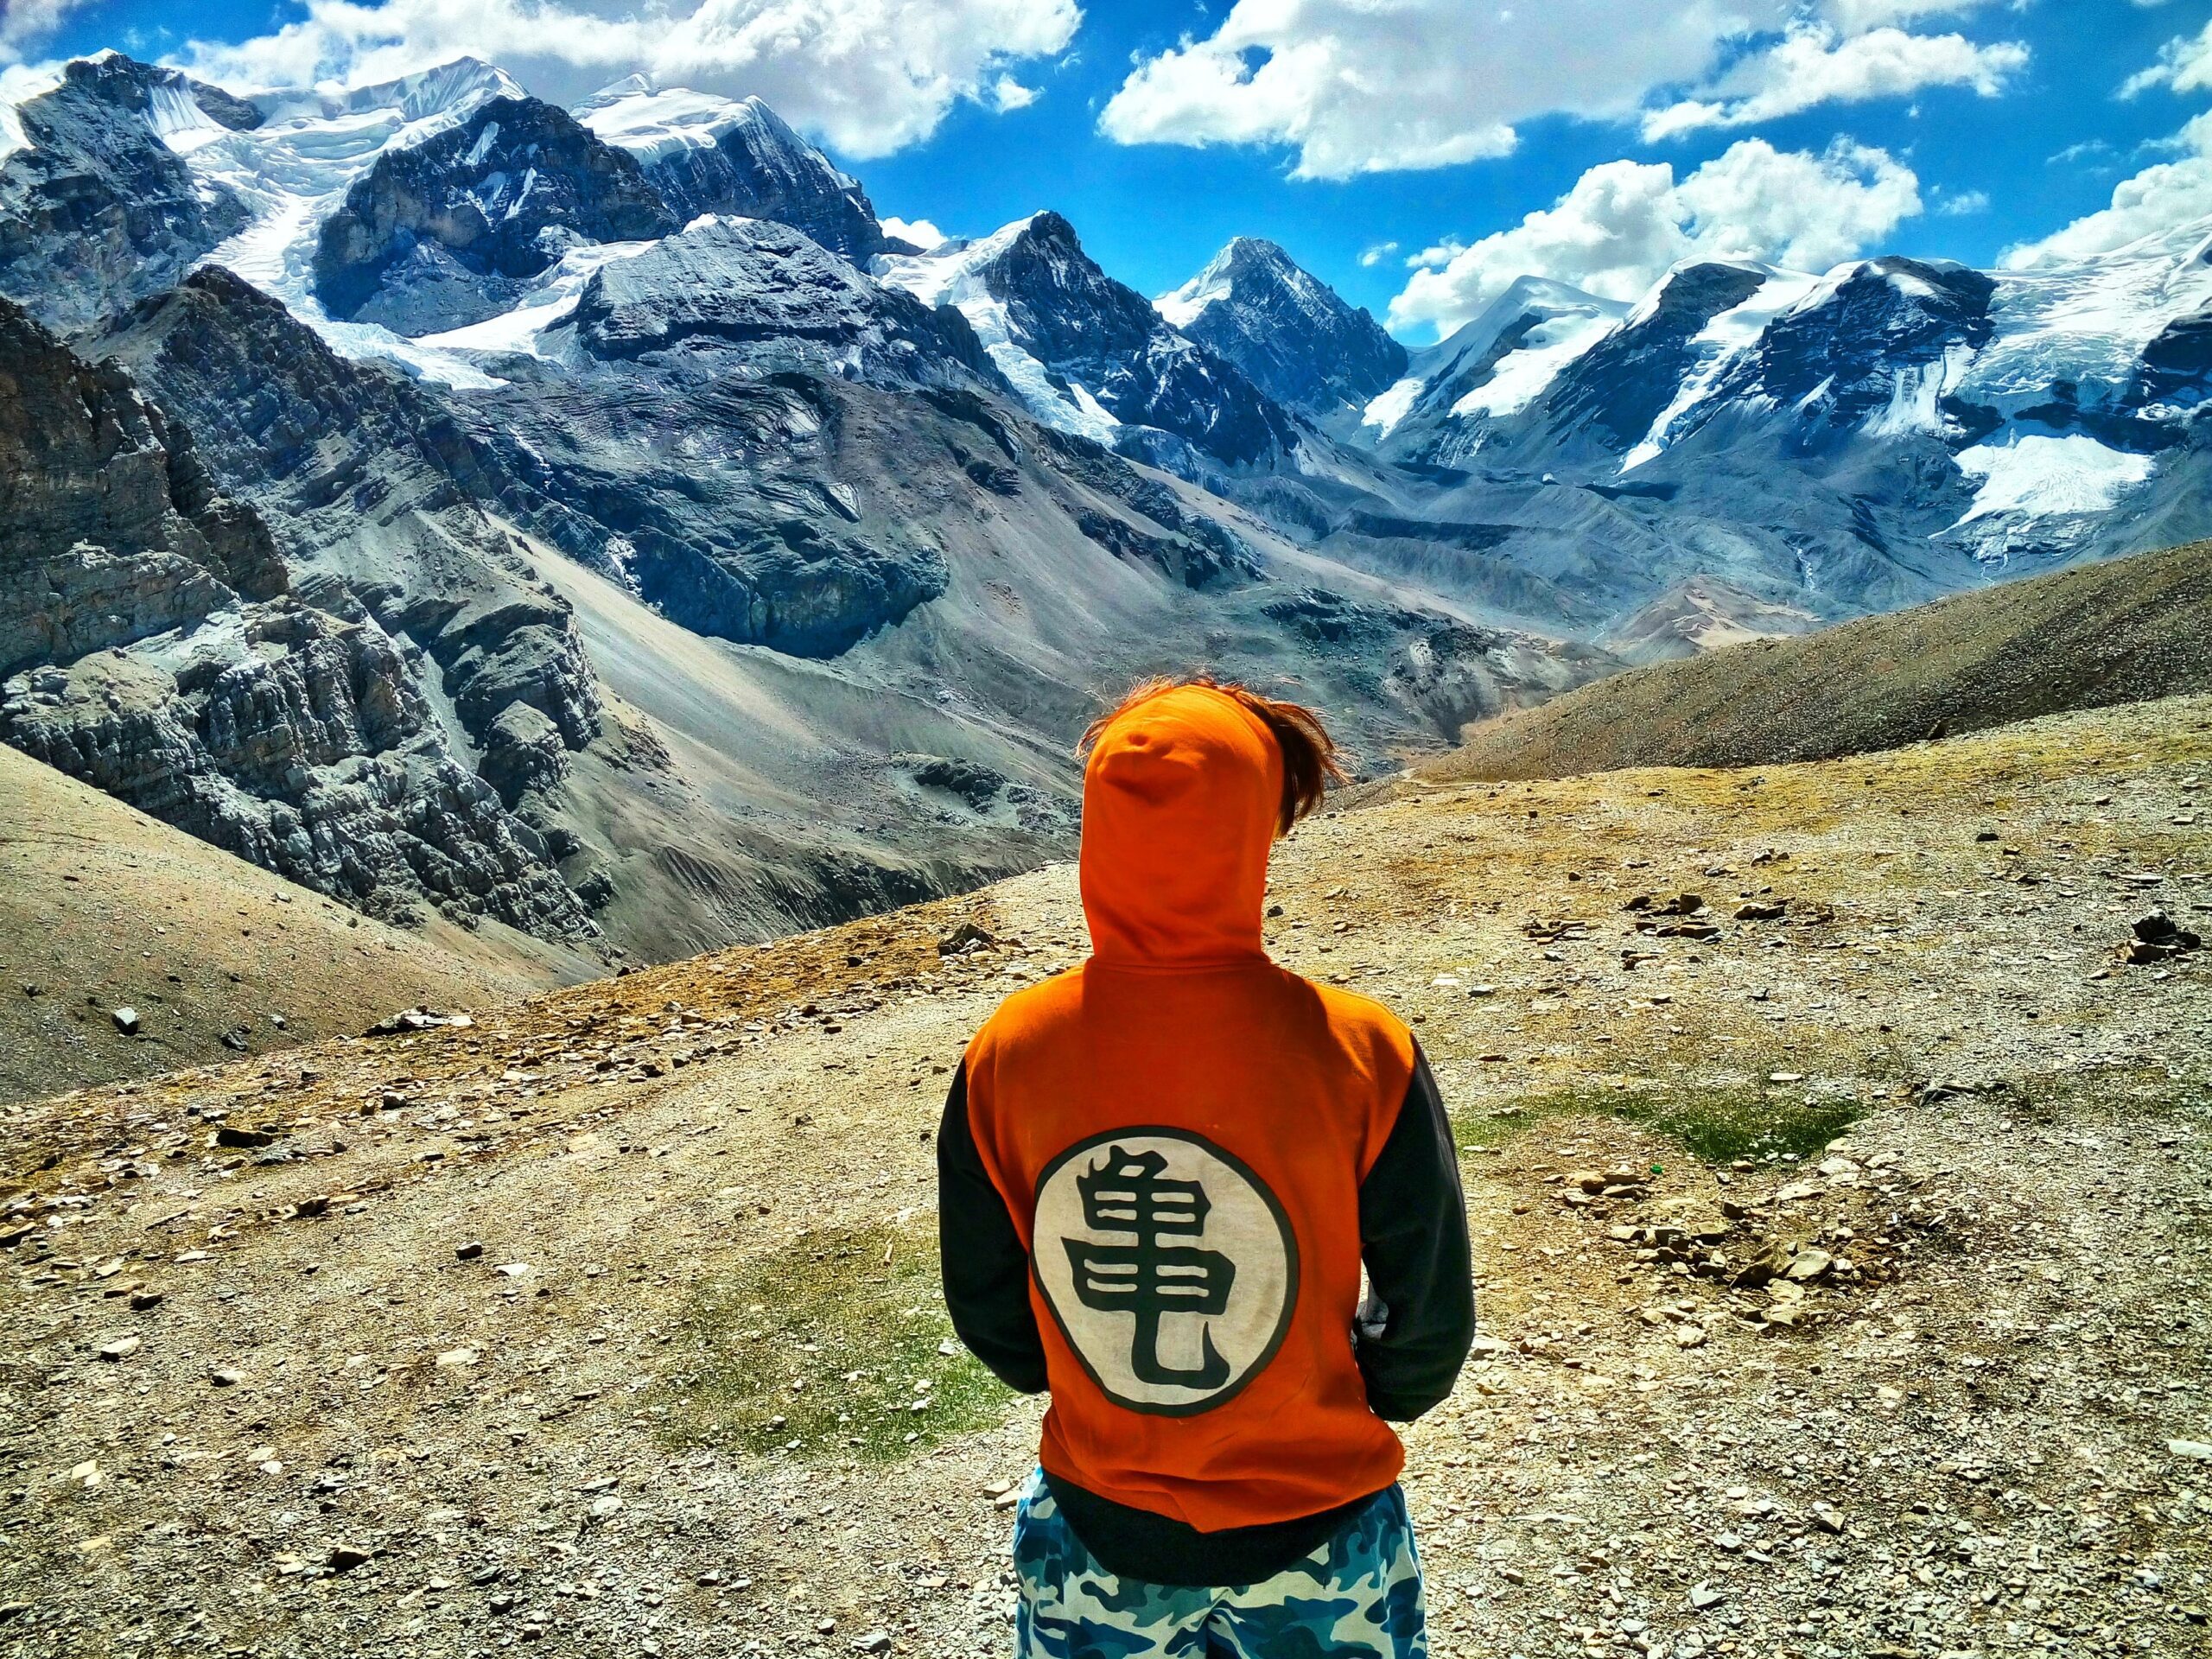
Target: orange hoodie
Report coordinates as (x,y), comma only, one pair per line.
(1156,1169)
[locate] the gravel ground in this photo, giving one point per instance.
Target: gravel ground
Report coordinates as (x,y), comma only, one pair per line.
(1843,1270)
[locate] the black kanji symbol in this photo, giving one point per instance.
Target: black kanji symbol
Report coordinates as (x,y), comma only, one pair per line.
(1123,1193)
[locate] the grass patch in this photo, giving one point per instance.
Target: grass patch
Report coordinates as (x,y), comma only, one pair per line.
(856,1317)
(1717,1123)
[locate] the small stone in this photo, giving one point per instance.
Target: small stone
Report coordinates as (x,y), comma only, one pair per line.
(1729,1541)
(1703,1595)
(121,1348)
(142,1300)
(224,1376)
(2191,1449)
(126,1021)
(458,1357)
(604,1507)
(874,1641)
(469,1251)
(230,1135)
(344,1558)
(1828,1517)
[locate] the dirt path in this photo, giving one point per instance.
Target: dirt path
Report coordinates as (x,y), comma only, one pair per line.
(1843,1274)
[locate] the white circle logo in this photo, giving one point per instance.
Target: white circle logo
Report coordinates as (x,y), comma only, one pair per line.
(1168,1266)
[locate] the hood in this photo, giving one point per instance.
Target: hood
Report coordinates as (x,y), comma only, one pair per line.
(1179,803)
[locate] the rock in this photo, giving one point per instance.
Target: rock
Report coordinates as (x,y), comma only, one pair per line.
(874,1641)
(1703,1596)
(143,1300)
(224,1377)
(963,938)
(1760,911)
(1828,1517)
(344,1558)
(468,1252)
(2199,1449)
(1808,1264)
(454,1357)
(126,1021)
(231,1134)
(121,1348)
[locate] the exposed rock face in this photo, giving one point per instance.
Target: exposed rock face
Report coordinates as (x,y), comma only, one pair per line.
(766,287)
(95,210)
(374,481)
(708,155)
(309,752)
(445,233)
(1104,335)
(1873,343)
(111,528)
(1290,333)
(154,653)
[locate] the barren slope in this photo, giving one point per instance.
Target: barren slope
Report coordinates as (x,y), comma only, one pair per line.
(102,908)
(691,1394)
(2085,637)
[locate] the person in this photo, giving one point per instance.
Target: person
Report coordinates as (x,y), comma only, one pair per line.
(1160,1175)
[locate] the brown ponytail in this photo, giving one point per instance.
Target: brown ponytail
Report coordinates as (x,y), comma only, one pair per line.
(1309,753)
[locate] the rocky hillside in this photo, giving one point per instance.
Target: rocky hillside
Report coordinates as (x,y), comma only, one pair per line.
(2126,631)
(1839,1238)
(129,948)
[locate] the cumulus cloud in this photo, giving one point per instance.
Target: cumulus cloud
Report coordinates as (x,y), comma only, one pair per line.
(1370,85)
(1624,223)
(1008,93)
(2184,65)
(1965,204)
(870,76)
(1814,64)
(919,231)
(1371,257)
(1358,86)
(2156,199)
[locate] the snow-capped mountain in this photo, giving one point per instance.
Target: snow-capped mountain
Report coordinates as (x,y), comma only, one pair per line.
(708,155)
(548,518)
(1290,333)
(1451,394)
(1091,355)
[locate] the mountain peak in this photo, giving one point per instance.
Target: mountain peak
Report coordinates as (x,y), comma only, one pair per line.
(1288,330)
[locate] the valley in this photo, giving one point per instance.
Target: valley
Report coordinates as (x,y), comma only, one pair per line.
(1839,1237)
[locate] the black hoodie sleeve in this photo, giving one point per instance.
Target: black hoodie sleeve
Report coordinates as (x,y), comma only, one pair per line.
(1419,1319)
(986,1270)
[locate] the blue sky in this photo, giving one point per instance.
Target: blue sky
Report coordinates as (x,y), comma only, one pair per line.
(2012,123)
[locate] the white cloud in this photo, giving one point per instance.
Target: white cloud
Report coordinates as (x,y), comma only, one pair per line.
(1370,85)
(1008,93)
(1965,204)
(1371,257)
(1623,224)
(2184,65)
(919,231)
(1813,64)
(2156,199)
(869,76)
(24,21)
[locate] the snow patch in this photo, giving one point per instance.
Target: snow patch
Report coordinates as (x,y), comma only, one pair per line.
(1390,405)
(1522,375)
(1728,333)
(2046,477)
(652,124)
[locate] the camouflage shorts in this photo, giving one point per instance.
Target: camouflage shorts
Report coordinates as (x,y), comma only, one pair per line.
(1357,1597)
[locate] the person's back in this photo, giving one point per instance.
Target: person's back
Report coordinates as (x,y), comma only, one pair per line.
(1160,1174)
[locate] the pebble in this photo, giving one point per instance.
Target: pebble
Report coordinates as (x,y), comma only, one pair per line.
(121,1348)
